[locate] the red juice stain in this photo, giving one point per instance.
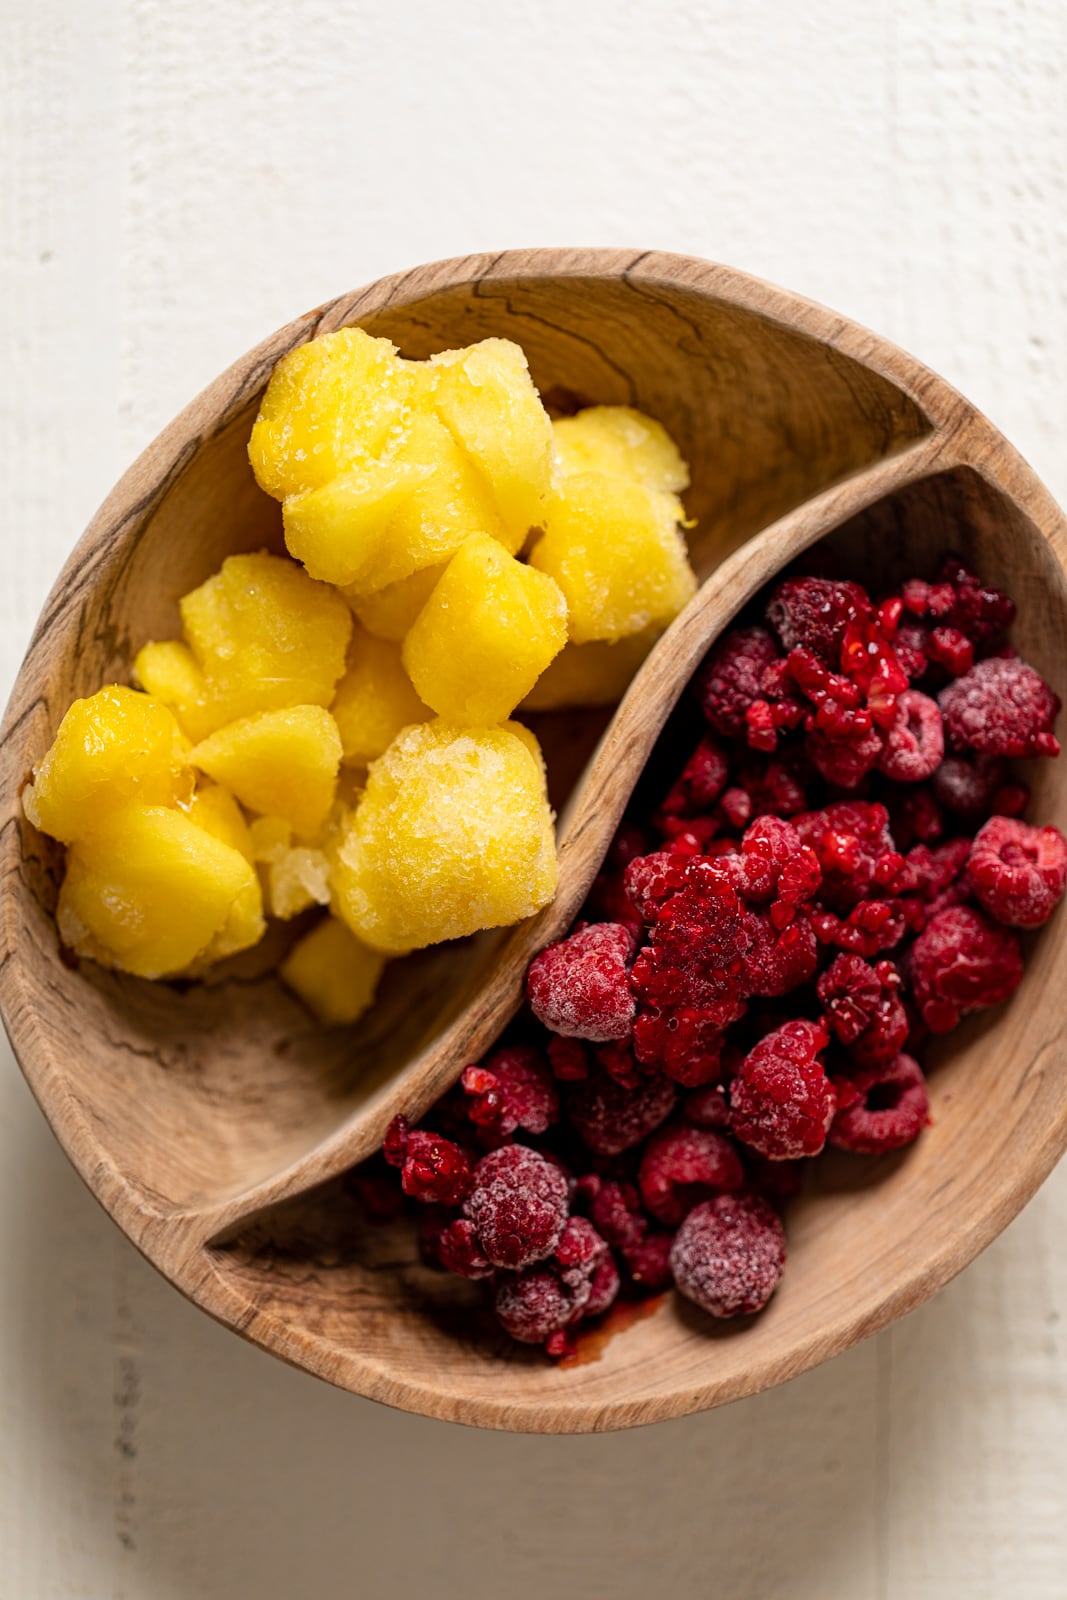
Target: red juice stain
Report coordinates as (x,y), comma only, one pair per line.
(591,1344)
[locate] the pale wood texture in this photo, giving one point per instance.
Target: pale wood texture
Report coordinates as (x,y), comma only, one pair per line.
(903,162)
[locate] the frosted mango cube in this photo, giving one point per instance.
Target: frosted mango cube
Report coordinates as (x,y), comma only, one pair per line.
(168,671)
(150,892)
(487,632)
(453,833)
(339,399)
(341,530)
(216,811)
(116,747)
(596,674)
(486,397)
(621,442)
(299,879)
(616,551)
(333,973)
(265,637)
(279,763)
(390,613)
(374,699)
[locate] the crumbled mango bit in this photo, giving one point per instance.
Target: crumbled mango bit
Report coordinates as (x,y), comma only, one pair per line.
(596,674)
(375,699)
(333,973)
(390,613)
(616,550)
(279,763)
(621,442)
(487,632)
(453,833)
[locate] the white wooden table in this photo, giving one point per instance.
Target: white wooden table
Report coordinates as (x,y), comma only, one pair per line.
(179,177)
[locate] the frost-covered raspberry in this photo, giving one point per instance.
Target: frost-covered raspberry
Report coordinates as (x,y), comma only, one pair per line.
(845,760)
(1002,707)
(864,1008)
(1018,873)
(886,1109)
(610,1118)
(707,1107)
(729,1254)
(432,1169)
(780,959)
(512,1089)
(458,1250)
(915,743)
(815,612)
(650,880)
(962,962)
(682,1166)
(700,782)
(534,1304)
(781,1102)
(580,987)
(732,678)
(855,850)
(518,1205)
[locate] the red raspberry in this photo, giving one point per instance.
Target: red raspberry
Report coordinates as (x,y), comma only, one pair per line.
(888,1111)
(603,1286)
(707,1107)
(736,807)
(580,988)
(651,880)
(951,649)
(649,1262)
(770,848)
(696,949)
(815,612)
(928,873)
(776,790)
(1018,873)
(458,1250)
(962,962)
(513,1089)
(731,678)
(617,1216)
(685,1042)
(611,1119)
(855,849)
(781,1102)
(914,815)
(1001,708)
(981,612)
(909,646)
(701,781)
(729,1254)
(569,1059)
(845,760)
(679,1167)
(780,960)
(535,1304)
(864,1008)
(518,1205)
(915,744)
(432,1169)
(966,785)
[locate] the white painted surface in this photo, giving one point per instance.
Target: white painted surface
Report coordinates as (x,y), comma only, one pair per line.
(179,177)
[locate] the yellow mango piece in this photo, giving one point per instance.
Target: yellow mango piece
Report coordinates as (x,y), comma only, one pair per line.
(453,833)
(486,397)
(390,613)
(621,442)
(487,632)
(216,811)
(299,878)
(168,671)
(374,699)
(333,973)
(116,747)
(279,763)
(151,891)
(330,403)
(265,636)
(270,837)
(596,674)
(340,531)
(244,927)
(616,551)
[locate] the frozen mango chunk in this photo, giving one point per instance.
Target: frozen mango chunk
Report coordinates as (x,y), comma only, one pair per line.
(340,531)
(453,833)
(616,551)
(487,632)
(116,747)
(294,876)
(375,698)
(333,973)
(596,674)
(390,613)
(621,442)
(150,892)
(167,670)
(487,399)
(334,401)
(265,636)
(279,763)
(216,811)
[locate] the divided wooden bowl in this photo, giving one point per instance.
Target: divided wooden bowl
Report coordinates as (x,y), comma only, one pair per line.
(216,1123)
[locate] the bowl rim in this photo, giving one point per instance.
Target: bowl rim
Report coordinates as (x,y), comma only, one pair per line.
(139,1214)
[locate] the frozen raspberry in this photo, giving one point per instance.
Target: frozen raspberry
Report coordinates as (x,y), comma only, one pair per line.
(962,962)
(604,1286)
(864,1008)
(518,1205)
(780,959)
(815,612)
(731,678)
(618,1061)
(888,1110)
(1001,708)
(914,816)
(649,1262)
(697,946)
(909,646)
(707,1107)
(580,988)
(513,1089)
(737,807)
(729,1254)
(611,1119)
(966,785)
(617,1216)
(855,849)
(458,1250)
(928,873)
(771,847)
(1018,873)
(681,1166)
(844,761)
(781,1102)
(569,1059)
(535,1304)
(978,610)
(689,836)
(651,880)
(777,790)
(701,781)
(951,649)
(432,1169)
(685,1042)
(915,744)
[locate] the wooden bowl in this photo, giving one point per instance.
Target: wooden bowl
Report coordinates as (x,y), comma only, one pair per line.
(216,1123)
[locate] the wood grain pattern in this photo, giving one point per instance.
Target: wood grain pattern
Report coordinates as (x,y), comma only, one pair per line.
(190,1112)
